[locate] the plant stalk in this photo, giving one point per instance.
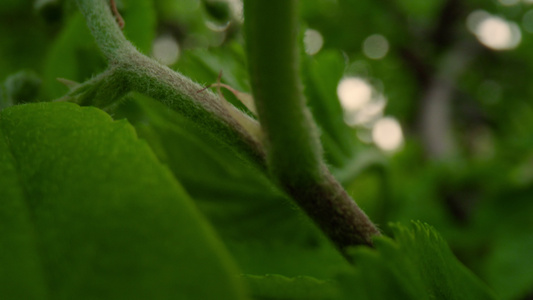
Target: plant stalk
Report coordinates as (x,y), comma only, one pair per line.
(136,72)
(294,152)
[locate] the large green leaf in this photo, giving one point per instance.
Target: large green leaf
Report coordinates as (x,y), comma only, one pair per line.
(88,212)
(416,265)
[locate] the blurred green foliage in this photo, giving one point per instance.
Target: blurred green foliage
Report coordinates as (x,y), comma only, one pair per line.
(478,196)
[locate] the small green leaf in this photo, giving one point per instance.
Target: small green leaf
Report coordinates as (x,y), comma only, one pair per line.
(87,212)
(416,265)
(203,65)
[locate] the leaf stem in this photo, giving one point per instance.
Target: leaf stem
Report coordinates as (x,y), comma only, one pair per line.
(294,152)
(105,29)
(292,138)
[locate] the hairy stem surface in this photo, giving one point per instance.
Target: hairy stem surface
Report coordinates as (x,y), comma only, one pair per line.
(132,71)
(294,152)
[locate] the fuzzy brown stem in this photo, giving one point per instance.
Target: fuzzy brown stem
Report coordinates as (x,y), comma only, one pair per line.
(335,212)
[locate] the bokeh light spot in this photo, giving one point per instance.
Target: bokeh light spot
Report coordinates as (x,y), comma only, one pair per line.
(166,49)
(498,34)
(527,21)
(353,93)
(475,18)
(494,33)
(313,41)
(387,134)
(376,46)
(237,9)
(368,113)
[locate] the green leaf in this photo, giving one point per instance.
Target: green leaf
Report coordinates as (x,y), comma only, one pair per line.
(416,265)
(338,139)
(203,65)
(88,212)
(281,287)
(263,230)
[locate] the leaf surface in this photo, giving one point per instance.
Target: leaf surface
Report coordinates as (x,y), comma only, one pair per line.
(261,227)
(416,265)
(88,212)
